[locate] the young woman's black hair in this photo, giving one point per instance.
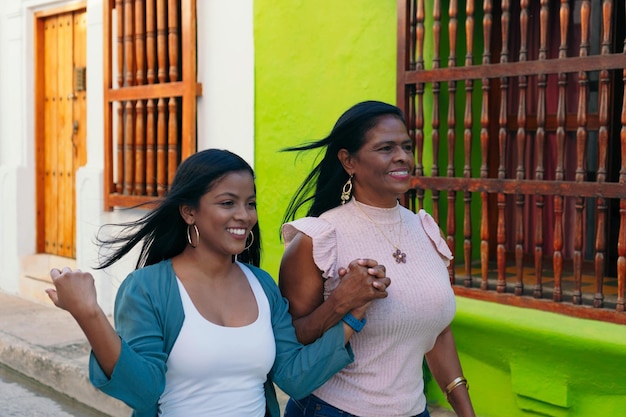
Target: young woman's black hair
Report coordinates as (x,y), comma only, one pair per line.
(163,232)
(322,187)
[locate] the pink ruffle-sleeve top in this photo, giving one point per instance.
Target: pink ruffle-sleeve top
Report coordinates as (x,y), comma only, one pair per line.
(386,377)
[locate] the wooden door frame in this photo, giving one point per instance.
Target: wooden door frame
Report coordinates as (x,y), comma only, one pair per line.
(39,97)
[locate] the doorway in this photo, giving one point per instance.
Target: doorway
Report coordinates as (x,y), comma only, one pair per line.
(60,124)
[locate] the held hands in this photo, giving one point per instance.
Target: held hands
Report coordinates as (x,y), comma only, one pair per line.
(362,282)
(74,291)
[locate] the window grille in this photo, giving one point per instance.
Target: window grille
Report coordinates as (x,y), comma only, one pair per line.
(518,116)
(149,96)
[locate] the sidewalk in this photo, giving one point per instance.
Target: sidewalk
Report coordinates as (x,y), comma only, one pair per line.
(45,344)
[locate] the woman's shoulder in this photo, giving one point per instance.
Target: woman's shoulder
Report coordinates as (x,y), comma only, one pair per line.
(151,276)
(338,213)
(434,233)
(420,216)
(265,279)
(315,227)
(261,274)
(162,268)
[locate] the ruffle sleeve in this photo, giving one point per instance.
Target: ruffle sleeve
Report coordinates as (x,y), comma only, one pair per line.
(434,234)
(324,241)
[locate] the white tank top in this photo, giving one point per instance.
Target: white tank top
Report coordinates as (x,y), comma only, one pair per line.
(219,371)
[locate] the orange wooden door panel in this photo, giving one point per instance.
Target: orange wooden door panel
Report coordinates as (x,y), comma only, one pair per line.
(64,136)
(64,128)
(79,121)
(50,203)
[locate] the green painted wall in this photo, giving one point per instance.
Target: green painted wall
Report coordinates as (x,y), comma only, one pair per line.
(522,362)
(313,60)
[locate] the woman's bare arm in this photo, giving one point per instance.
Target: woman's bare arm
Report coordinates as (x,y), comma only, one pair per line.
(301,282)
(443,362)
(74,291)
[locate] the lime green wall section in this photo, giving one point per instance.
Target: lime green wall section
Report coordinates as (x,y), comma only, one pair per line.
(522,362)
(313,60)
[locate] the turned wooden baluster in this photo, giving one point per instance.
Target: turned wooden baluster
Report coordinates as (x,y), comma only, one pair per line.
(560,149)
(416,119)
(581,150)
(119,183)
(140,42)
(451,222)
(161,12)
(416,29)
(417,135)
(603,139)
(150,41)
(502,141)
(540,139)
(414,23)
(621,243)
(150,109)
(140,148)
(119,133)
(436,121)
(409,92)
(140,110)
(161,147)
(173,48)
(520,199)
(467,142)
(129,112)
(484,147)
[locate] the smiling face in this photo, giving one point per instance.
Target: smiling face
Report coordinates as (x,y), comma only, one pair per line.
(225,214)
(382,167)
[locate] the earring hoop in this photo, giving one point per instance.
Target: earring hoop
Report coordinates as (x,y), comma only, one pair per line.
(251,241)
(195,228)
(346,191)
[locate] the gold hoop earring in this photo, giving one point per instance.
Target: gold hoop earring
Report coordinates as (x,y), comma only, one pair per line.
(251,241)
(346,191)
(195,228)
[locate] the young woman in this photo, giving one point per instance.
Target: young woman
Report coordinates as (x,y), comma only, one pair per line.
(199,333)
(354,212)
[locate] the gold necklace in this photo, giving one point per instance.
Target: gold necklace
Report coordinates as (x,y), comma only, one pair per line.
(398,255)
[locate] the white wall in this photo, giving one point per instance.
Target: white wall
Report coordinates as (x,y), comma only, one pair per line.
(225,120)
(226,71)
(17,201)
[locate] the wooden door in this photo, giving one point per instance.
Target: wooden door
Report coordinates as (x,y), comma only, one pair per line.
(61,138)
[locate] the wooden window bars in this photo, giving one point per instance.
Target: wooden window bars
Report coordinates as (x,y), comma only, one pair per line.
(150,92)
(534,169)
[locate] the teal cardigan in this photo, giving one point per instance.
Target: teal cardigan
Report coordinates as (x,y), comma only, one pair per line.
(148,318)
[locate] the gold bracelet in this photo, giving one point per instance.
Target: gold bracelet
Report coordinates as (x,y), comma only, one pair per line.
(456,382)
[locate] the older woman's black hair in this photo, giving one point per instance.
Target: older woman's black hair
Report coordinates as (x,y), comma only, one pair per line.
(163,232)
(322,187)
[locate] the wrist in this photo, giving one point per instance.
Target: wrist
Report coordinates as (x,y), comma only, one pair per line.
(456,383)
(88,314)
(359,312)
(339,306)
(356,324)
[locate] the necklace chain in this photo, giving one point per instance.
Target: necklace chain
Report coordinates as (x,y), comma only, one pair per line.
(398,255)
